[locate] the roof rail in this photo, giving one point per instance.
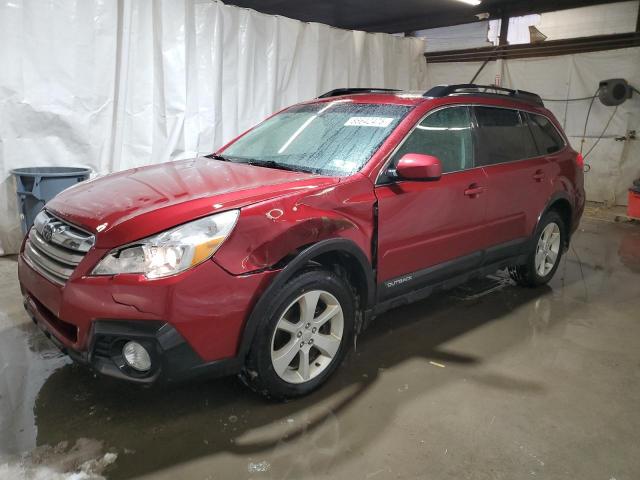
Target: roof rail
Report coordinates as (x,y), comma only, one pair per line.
(473,89)
(349,91)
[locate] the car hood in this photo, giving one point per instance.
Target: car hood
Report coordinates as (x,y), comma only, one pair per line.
(129,205)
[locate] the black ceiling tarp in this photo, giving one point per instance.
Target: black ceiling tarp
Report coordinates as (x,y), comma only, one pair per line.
(400,15)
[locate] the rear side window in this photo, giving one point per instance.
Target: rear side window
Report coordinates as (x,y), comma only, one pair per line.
(502,136)
(547,138)
(445,134)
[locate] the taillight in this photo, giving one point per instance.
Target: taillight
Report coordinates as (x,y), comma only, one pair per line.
(580,160)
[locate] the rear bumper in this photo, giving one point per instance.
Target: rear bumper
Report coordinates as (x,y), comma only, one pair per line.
(191,324)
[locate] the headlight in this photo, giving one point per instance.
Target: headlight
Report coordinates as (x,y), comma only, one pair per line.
(172,251)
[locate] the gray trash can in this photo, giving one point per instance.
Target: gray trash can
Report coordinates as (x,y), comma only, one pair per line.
(37,185)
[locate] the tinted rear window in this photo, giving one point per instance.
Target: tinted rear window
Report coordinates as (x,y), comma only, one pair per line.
(502,137)
(547,138)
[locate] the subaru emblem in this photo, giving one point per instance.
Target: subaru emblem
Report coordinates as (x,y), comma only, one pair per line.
(47,232)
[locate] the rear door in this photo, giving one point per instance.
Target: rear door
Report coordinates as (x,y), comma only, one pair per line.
(428,230)
(562,161)
(518,178)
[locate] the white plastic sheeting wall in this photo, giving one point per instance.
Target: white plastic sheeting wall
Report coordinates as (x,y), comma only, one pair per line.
(117,84)
(614,163)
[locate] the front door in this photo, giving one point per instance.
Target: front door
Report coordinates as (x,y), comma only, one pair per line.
(428,230)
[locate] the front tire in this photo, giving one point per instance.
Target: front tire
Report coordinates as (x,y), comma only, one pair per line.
(306,332)
(544,258)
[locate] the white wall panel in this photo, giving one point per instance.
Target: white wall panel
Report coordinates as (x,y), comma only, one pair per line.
(605,19)
(113,85)
(467,35)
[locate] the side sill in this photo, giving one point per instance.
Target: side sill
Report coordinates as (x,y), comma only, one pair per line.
(427,289)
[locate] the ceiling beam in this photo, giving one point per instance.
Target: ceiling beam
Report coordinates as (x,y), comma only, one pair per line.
(544,49)
(504,30)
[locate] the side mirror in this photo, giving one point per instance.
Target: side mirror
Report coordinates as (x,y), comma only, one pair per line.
(415,166)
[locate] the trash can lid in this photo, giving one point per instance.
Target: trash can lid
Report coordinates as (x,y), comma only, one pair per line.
(51,171)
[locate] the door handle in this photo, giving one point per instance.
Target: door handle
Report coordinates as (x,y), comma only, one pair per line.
(538,176)
(473,190)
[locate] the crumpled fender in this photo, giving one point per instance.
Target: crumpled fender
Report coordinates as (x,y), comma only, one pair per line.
(268,232)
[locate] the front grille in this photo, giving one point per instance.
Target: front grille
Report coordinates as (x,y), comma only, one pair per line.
(55,248)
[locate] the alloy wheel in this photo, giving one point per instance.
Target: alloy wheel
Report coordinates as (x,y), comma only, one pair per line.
(548,249)
(307,336)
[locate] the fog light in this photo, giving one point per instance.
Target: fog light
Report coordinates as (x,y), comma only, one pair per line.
(136,356)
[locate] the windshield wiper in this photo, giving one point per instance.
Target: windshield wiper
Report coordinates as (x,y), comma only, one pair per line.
(217,156)
(274,164)
(261,163)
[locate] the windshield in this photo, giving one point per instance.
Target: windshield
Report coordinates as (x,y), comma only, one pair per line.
(335,138)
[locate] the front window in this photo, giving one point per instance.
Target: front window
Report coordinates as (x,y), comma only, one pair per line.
(445,134)
(335,138)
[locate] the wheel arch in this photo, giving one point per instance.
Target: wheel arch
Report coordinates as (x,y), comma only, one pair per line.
(561,203)
(338,254)
(564,208)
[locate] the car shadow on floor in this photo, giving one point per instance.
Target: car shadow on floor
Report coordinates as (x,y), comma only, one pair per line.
(156,428)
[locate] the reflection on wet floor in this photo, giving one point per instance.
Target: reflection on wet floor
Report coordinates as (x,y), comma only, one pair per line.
(488,380)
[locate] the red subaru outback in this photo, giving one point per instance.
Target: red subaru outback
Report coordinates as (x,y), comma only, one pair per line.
(267,257)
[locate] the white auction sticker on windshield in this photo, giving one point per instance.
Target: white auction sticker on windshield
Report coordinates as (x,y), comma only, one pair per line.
(380,122)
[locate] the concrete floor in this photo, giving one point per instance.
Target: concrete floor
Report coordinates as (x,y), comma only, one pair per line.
(489,381)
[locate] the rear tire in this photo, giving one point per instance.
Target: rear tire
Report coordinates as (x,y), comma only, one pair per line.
(548,246)
(306,332)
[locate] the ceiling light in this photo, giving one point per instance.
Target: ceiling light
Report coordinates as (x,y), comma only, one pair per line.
(474,3)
